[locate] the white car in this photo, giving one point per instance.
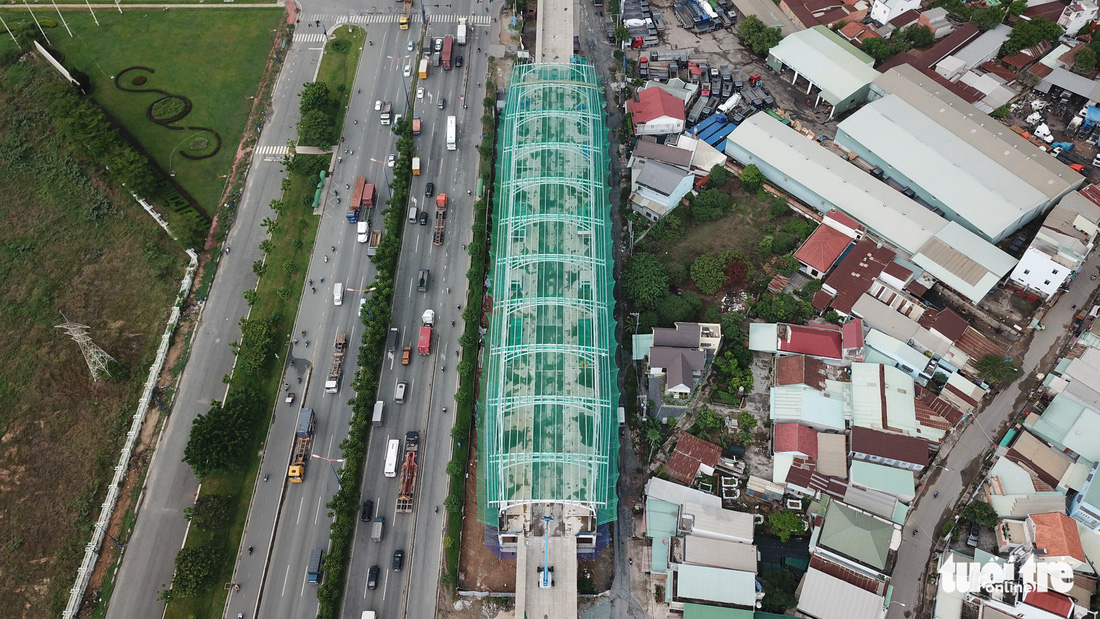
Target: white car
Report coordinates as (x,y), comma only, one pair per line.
(390,160)
(362,232)
(408,70)
(410,46)
(420,93)
(377,106)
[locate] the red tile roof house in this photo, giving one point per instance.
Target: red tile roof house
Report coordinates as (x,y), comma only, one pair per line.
(903,452)
(656,112)
(800,370)
(1056,539)
(1054,603)
(853,277)
(691,456)
(795,438)
(828,242)
(822,341)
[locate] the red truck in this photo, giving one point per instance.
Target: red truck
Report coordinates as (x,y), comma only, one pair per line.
(448,45)
(356,199)
(424,344)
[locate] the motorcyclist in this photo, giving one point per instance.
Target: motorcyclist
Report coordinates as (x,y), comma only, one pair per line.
(250,550)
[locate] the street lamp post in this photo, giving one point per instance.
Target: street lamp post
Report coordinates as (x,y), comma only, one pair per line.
(404,82)
(108,534)
(331,462)
(385,168)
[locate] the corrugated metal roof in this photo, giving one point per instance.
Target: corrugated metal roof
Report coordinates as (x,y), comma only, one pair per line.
(807,405)
(670,492)
(946,165)
(832,455)
(824,58)
(895,481)
(857,535)
(882,397)
(1068,423)
(698,582)
(964,261)
(897,350)
(719,553)
(826,597)
(702,611)
(660,525)
(716,523)
(764,140)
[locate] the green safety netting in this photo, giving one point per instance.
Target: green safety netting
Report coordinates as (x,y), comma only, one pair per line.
(547,425)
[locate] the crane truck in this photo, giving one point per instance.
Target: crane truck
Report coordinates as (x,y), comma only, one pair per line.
(408,473)
(339,347)
(303,438)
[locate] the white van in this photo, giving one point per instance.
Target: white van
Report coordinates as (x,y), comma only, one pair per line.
(413,212)
(399,395)
(338,294)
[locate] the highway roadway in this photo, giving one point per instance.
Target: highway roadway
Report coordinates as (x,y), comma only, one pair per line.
(282,547)
(147,563)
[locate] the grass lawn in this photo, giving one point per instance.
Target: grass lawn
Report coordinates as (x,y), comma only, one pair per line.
(69,244)
(213,57)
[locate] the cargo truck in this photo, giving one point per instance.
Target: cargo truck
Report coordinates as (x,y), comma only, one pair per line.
(416,166)
(448,46)
(386,112)
(370,193)
(461,38)
(440,218)
(408,473)
(339,347)
(416,125)
(391,340)
(314,572)
(376,531)
(379,407)
(424,68)
(356,200)
(303,438)
(375,239)
(424,343)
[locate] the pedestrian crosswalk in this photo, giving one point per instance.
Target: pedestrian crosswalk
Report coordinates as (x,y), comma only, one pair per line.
(328,21)
(273,150)
(300,37)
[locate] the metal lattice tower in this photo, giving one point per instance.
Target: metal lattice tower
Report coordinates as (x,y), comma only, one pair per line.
(548,426)
(96,357)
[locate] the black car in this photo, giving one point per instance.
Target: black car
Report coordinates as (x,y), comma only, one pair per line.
(423,218)
(429,189)
(443,103)
(458,61)
(372,577)
(398,560)
(368,510)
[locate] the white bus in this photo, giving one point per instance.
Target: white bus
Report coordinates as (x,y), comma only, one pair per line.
(391,458)
(451,129)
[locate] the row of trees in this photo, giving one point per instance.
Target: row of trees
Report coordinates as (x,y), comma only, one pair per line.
(757,36)
(911,36)
(319,109)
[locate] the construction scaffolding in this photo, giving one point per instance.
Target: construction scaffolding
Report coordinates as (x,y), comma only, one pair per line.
(547,430)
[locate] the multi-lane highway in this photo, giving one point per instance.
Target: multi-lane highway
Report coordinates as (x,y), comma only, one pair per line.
(279,563)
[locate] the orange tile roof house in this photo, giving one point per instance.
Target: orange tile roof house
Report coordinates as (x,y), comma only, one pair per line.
(692,455)
(828,242)
(656,112)
(1056,538)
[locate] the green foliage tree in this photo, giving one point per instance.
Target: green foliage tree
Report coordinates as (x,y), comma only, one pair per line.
(220,438)
(1001,113)
(881,49)
(315,129)
(809,289)
(979,512)
(1084,62)
(757,36)
(130,168)
(917,35)
(210,511)
(708,273)
(783,242)
(706,423)
(677,273)
(710,205)
(986,18)
(782,307)
(1017,8)
(779,591)
(765,244)
(645,280)
(1029,32)
(719,176)
(196,571)
(621,33)
(996,370)
(785,523)
(752,179)
(746,423)
(678,308)
(259,335)
(316,96)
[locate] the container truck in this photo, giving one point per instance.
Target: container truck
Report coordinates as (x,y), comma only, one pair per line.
(303,438)
(461,37)
(448,46)
(424,68)
(356,200)
(379,408)
(339,347)
(408,473)
(375,239)
(314,573)
(452,130)
(440,218)
(424,343)
(416,125)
